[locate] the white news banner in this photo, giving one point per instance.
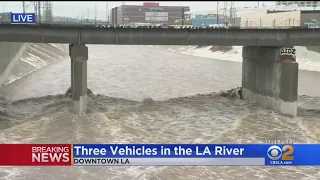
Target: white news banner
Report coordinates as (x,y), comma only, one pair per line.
(169,161)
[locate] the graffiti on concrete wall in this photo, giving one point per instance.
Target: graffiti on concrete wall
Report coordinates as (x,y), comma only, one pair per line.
(287,54)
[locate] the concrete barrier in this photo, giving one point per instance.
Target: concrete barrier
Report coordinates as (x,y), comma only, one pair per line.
(269,82)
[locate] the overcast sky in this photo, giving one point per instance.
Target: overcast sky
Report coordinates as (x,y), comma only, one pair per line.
(85,9)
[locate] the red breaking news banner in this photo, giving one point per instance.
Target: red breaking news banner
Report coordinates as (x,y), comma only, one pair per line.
(36,155)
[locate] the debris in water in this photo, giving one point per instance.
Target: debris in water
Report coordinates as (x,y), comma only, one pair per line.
(235,93)
(148,101)
(69,92)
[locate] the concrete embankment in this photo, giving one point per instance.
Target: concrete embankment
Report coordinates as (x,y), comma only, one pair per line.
(10,54)
(20,59)
(313,48)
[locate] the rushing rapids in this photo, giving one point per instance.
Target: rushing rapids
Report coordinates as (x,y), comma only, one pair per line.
(154,96)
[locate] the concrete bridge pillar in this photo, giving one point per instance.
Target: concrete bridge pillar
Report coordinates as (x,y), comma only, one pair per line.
(79,56)
(269,79)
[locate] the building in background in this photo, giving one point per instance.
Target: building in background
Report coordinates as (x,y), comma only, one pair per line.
(206,20)
(148,13)
(213,20)
(5,17)
(299,3)
(281,18)
(310,18)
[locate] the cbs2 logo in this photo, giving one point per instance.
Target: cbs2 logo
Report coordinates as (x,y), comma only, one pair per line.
(275,153)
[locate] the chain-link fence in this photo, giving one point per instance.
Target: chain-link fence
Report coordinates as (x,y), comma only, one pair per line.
(278,23)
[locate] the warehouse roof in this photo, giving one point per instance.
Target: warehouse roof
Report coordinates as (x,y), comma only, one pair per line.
(302,11)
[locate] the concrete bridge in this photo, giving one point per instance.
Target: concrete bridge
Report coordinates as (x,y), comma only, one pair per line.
(268,79)
(158,36)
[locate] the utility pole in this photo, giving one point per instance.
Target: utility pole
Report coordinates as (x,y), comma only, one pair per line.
(154,13)
(82,15)
(107,12)
(182,18)
(232,14)
(4,7)
(24,6)
(122,21)
(95,14)
(35,5)
(39,11)
(225,13)
(217,13)
(88,13)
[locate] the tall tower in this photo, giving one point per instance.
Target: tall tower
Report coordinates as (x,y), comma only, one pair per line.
(229,13)
(47,11)
(36,8)
(27,4)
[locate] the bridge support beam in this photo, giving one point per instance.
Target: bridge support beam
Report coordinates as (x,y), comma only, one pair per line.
(269,80)
(79,56)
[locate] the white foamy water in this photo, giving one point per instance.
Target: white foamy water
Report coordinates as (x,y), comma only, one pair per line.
(125,75)
(308,60)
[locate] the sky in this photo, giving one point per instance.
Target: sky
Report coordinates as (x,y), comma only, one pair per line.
(97,9)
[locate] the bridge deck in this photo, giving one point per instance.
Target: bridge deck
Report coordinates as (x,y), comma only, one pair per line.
(158,36)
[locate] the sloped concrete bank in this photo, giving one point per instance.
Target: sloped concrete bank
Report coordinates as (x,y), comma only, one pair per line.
(20,59)
(35,57)
(10,54)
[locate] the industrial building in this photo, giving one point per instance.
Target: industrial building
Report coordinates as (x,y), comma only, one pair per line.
(151,13)
(5,17)
(213,20)
(280,19)
(299,3)
(206,22)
